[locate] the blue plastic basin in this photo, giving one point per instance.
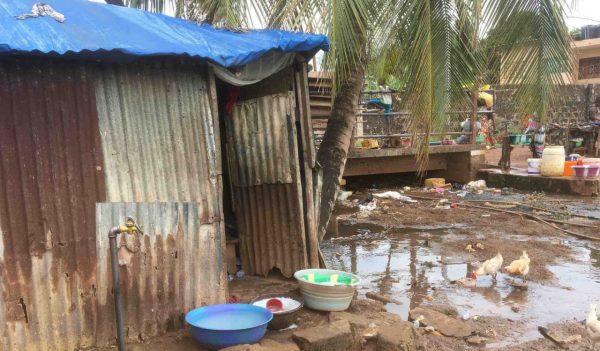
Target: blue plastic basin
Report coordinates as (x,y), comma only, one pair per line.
(220,326)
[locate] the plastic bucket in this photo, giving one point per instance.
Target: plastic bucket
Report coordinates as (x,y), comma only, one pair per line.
(568,168)
(533,165)
(553,161)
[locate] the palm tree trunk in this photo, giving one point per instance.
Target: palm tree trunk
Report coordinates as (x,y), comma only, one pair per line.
(336,142)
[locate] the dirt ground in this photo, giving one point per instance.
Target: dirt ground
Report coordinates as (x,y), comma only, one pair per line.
(518,157)
(413,252)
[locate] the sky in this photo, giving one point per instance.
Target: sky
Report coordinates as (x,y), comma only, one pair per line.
(586,12)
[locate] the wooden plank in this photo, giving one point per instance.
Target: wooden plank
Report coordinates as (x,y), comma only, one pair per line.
(214,105)
(308,161)
(387,165)
(392,152)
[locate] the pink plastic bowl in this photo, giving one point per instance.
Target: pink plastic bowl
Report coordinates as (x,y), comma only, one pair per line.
(586,171)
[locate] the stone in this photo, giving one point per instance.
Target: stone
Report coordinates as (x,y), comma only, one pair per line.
(446,325)
(448,310)
(272,345)
(366,305)
(356,320)
(265,345)
(244,347)
(476,340)
(400,336)
(335,336)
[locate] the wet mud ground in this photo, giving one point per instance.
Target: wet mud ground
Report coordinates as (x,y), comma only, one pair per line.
(413,253)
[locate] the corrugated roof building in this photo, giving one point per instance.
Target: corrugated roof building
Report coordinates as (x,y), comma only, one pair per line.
(107,112)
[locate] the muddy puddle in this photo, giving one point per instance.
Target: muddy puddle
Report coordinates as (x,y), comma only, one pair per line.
(414,266)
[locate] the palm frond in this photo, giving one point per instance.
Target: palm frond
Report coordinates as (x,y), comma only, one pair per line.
(435,60)
(536,52)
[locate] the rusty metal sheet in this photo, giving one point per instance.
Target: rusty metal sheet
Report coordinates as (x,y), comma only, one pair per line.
(175,266)
(157,134)
(50,179)
(264,166)
(260,147)
(271,228)
(157,144)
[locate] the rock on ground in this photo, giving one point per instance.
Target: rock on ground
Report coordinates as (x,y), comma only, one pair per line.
(446,325)
(335,336)
(400,336)
(265,345)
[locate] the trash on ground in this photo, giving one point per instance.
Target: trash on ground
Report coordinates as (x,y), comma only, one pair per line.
(344,195)
(435,182)
(476,185)
(368,207)
(395,196)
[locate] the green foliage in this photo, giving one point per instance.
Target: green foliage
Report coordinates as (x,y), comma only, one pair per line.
(431,49)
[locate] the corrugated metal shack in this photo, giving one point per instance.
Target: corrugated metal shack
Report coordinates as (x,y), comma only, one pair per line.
(118,112)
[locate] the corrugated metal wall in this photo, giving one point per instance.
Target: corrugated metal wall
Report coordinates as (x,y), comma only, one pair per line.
(152,135)
(157,135)
(175,266)
(264,167)
(50,179)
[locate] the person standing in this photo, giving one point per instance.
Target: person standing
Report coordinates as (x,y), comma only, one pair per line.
(487,129)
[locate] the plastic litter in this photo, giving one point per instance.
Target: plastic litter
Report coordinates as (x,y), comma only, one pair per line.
(368,207)
(240,274)
(476,185)
(344,195)
(39,9)
(465,316)
(439,190)
(396,196)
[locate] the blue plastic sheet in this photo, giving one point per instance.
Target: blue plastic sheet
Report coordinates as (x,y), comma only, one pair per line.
(105,32)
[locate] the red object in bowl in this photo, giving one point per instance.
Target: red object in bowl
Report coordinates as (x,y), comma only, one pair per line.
(274,305)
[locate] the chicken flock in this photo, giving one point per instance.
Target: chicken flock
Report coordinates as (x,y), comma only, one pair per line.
(520,268)
(517,268)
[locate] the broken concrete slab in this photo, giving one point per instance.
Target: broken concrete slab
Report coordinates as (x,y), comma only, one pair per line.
(335,336)
(446,325)
(557,185)
(400,336)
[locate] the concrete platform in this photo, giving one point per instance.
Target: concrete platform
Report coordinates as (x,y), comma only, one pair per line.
(519,179)
(453,162)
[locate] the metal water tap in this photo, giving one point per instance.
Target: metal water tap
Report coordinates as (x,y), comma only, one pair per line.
(130,227)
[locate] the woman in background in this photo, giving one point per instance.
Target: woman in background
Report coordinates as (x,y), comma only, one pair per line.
(487,129)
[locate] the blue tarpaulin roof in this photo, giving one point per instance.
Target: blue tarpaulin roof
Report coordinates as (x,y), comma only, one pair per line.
(106,32)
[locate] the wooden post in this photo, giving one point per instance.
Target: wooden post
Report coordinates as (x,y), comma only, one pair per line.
(474,96)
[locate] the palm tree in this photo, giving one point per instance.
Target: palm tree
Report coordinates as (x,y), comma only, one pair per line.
(437,47)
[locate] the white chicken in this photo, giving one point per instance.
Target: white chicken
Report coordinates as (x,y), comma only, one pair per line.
(592,324)
(519,267)
(489,267)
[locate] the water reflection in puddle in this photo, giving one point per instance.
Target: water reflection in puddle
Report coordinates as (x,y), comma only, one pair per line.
(412,264)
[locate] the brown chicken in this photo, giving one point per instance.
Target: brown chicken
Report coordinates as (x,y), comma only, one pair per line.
(519,267)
